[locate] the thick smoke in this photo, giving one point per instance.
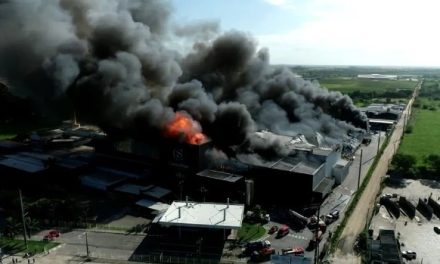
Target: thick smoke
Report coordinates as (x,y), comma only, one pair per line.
(114,60)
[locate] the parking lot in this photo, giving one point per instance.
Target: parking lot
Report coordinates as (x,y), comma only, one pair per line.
(415,234)
(118,246)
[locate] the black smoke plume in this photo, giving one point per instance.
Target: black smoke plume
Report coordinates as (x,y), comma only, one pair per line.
(118,63)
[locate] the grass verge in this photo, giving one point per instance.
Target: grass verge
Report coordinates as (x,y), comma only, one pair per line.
(249,232)
(12,246)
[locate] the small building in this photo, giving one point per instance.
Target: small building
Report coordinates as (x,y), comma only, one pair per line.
(208,221)
(377,76)
(385,249)
(203,215)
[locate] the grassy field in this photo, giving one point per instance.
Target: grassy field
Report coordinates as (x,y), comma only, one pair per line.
(425,136)
(249,232)
(345,85)
(15,245)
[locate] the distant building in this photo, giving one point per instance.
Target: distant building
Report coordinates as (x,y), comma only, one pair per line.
(375,76)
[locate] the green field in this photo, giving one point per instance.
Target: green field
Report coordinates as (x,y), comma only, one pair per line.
(425,136)
(348,85)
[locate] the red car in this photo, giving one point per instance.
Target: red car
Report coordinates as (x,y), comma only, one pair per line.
(54,233)
(51,235)
(297,251)
(284,230)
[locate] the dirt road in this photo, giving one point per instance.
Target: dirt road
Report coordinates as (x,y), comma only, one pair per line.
(357,221)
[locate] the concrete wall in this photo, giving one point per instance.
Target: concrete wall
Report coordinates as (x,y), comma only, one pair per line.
(341,172)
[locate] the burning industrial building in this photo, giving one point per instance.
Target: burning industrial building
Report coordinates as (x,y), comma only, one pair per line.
(113,62)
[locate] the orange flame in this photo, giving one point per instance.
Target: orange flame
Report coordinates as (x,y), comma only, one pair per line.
(182,126)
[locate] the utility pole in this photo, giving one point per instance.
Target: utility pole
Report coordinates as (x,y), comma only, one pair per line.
(22,219)
(316,238)
(378,145)
(87,246)
(360,169)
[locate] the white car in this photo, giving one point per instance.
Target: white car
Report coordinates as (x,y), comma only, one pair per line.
(409,254)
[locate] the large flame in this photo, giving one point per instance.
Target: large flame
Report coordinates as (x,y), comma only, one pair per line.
(182,126)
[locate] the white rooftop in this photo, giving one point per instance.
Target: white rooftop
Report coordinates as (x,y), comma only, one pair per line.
(155,206)
(203,215)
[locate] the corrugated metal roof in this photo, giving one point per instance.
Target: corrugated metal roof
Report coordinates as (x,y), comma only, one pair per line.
(220,175)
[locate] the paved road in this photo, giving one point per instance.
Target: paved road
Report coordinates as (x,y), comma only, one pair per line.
(357,221)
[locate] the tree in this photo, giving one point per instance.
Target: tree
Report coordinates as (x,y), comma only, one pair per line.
(433,162)
(403,162)
(32,225)
(11,228)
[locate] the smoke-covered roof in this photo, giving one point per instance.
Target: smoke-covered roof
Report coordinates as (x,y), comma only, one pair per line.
(220,175)
(297,163)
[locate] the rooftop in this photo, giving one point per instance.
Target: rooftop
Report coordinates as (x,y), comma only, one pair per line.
(203,215)
(381,121)
(153,205)
(156,192)
(130,188)
(299,163)
(25,164)
(220,175)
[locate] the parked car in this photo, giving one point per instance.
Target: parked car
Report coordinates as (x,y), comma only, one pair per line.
(263,254)
(329,219)
(273,229)
(335,214)
(257,246)
(437,229)
(267,251)
(409,254)
(54,233)
(51,235)
(282,231)
(297,251)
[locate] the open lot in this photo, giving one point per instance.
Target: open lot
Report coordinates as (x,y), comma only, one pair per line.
(420,238)
(346,85)
(364,91)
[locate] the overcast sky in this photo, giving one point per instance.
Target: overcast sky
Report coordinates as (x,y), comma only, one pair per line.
(330,32)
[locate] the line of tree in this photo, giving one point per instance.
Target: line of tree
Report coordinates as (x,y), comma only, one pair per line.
(405,165)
